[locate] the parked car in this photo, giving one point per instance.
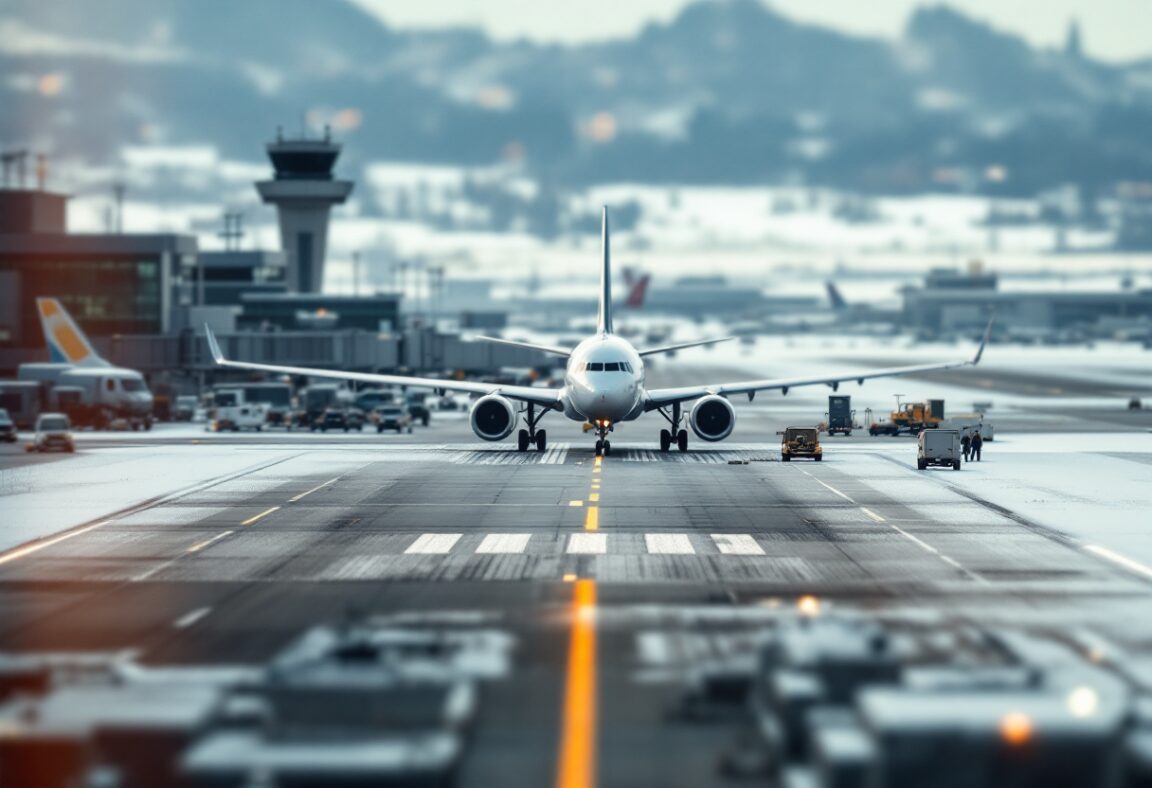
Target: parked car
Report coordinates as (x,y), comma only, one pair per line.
(53,433)
(7,427)
(339,419)
(391,417)
(185,409)
(418,408)
(938,447)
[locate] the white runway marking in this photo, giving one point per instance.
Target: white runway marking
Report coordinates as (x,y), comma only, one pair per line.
(504,543)
(924,545)
(830,487)
(1121,560)
(433,543)
(737,544)
(672,544)
(588,543)
(188,620)
(28,549)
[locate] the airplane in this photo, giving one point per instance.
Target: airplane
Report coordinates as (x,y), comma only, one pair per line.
(603,385)
(91,388)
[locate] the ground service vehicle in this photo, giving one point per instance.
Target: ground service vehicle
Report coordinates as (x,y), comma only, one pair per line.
(391,417)
(840,415)
(911,419)
(53,433)
(339,419)
(938,447)
(232,411)
(7,427)
(801,442)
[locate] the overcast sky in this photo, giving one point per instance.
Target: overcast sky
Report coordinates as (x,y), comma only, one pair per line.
(1112,29)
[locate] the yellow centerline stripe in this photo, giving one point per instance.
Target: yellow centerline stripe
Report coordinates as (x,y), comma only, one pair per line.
(260,516)
(200,546)
(296,498)
(29,549)
(594,497)
(592,519)
(577,766)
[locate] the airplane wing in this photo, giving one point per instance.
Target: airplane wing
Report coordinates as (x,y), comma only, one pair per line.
(556,351)
(540,396)
(651,351)
(658,398)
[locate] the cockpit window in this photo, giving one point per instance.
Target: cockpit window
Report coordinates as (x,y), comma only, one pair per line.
(131,384)
(612,366)
(595,366)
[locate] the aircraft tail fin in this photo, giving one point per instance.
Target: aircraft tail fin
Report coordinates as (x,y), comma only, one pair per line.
(67,344)
(834,297)
(637,290)
(604,316)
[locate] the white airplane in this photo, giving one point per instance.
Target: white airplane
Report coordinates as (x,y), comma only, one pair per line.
(603,385)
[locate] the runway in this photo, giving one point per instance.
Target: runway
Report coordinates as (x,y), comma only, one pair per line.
(434,530)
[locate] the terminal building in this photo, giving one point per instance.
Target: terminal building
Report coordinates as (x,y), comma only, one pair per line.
(950,301)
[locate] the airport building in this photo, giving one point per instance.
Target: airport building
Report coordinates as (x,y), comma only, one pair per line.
(950,301)
(111,283)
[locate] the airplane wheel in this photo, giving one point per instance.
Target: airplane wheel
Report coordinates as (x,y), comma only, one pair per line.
(665,440)
(599,448)
(682,440)
(522,440)
(607,448)
(541,440)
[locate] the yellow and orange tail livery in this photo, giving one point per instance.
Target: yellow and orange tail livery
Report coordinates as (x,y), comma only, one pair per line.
(66,342)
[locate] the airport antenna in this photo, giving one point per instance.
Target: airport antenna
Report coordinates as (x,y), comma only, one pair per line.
(41,171)
(14,159)
(233,231)
(118,190)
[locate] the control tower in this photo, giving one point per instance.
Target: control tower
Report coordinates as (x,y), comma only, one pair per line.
(304,191)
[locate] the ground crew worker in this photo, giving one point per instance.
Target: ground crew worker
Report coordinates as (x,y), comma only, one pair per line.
(977,445)
(966,445)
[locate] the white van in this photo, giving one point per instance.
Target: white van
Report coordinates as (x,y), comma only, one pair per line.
(938,447)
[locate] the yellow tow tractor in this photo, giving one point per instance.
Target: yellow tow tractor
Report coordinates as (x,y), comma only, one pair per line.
(801,442)
(912,419)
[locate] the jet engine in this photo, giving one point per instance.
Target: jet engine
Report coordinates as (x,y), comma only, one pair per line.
(713,418)
(493,418)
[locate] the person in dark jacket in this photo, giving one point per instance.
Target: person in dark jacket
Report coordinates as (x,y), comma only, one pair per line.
(977,445)
(966,445)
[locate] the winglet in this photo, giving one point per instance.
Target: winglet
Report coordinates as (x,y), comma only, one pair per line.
(604,318)
(213,345)
(984,341)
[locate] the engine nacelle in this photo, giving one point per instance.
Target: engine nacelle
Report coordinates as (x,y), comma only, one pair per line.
(712,418)
(493,418)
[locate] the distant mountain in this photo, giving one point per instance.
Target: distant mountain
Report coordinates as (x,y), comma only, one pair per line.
(728,91)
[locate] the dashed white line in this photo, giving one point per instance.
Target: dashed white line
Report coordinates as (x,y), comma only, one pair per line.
(433,544)
(924,545)
(191,618)
(737,544)
(504,543)
(669,544)
(588,543)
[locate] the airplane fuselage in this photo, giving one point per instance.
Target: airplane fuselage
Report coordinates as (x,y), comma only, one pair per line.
(604,381)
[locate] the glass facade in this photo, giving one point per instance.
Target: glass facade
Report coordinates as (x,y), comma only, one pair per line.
(106,296)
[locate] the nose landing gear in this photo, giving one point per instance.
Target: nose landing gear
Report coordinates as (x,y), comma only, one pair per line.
(676,434)
(532,436)
(603,445)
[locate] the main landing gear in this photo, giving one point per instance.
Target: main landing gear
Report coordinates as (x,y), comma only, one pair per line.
(676,434)
(532,436)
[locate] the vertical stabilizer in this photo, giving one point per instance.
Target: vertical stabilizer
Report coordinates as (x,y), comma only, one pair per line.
(604,317)
(67,344)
